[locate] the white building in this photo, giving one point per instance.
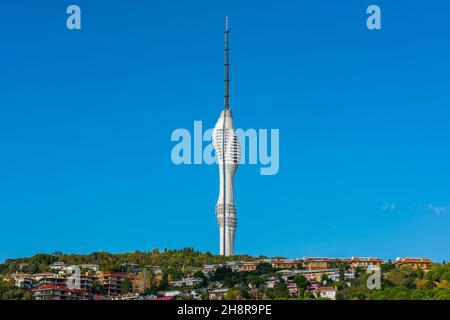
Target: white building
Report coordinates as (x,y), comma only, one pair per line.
(234,265)
(210,268)
(57,266)
(22,280)
(154,269)
(217,294)
(186,282)
(90,266)
(286,274)
(347,276)
(172,293)
(47,275)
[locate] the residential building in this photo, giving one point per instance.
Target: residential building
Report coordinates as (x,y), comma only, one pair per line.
(281,263)
(38,276)
(217,294)
(22,280)
(25,283)
(195,294)
(154,269)
(270,283)
(112,282)
(173,293)
(415,263)
(357,262)
(247,266)
(187,282)
(314,285)
(59,292)
(128,296)
(286,274)
(318,263)
(57,266)
(292,288)
(316,274)
(132,267)
(51,279)
(336,276)
(90,266)
(210,268)
(233,265)
(87,282)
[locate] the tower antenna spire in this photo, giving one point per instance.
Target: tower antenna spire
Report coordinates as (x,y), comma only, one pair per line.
(227,67)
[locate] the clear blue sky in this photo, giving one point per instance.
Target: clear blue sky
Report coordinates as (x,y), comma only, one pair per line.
(86,118)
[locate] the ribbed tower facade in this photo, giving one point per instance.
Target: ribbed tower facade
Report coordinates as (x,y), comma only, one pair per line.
(228,153)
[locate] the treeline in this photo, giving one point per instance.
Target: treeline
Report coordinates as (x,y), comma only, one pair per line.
(184,258)
(403,284)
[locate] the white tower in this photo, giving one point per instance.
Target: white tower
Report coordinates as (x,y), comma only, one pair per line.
(228,153)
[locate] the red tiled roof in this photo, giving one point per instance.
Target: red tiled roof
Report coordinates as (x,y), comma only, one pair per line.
(163,298)
(326,289)
(413,260)
(365,259)
(319,259)
(56,286)
(114,274)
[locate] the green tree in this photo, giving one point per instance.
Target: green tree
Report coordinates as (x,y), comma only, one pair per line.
(302,285)
(341,273)
(243,292)
(280,291)
(358,295)
(164,284)
(127,286)
(359,271)
(255,281)
(301,281)
(402,277)
(438,273)
(423,284)
(8,291)
(221,273)
(264,268)
(232,294)
(97,288)
(325,279)
(204,296)
(387,267)
(174,273)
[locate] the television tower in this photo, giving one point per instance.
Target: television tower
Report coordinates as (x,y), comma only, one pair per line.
(228,153)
